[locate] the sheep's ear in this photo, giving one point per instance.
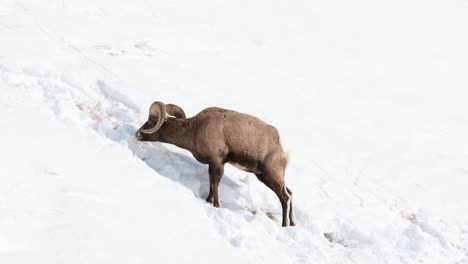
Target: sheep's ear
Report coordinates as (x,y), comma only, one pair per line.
(175,111)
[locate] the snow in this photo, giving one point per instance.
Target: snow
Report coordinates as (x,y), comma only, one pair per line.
(369,98)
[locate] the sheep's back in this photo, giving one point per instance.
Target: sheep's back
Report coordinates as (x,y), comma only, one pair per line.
(241,133)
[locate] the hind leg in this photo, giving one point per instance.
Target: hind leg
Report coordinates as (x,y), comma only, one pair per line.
(278,188)
(292,215)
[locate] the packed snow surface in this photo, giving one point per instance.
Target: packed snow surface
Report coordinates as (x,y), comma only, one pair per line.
(370,98)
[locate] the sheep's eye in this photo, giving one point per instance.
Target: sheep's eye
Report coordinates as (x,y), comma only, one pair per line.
(149,124)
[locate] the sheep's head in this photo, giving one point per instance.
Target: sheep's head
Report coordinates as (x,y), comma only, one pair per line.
(157,116)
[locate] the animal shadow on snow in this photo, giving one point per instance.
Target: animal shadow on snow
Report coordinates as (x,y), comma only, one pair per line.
(184,169)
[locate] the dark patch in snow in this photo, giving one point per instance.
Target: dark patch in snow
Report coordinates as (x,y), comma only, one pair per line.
(333,238)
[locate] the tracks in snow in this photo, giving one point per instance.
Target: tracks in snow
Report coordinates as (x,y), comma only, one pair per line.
(248,208)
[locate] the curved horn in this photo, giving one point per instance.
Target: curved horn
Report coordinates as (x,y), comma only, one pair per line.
(157,109)
(175,111)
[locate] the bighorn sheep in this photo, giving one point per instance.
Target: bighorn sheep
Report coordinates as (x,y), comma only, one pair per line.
(216,136)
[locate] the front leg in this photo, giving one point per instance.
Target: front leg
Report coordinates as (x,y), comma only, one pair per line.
(216,170)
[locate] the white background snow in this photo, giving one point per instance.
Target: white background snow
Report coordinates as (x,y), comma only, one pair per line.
(370,97)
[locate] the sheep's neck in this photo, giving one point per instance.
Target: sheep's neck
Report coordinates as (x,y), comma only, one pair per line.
(177,132)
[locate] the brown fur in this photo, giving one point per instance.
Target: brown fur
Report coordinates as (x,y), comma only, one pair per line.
(217,136)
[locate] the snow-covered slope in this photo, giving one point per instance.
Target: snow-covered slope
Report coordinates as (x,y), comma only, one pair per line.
(369,97)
